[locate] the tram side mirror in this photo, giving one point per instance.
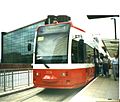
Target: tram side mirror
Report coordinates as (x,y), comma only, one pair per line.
(29,46)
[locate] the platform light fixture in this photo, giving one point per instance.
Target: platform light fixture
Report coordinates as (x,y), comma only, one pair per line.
(114,27)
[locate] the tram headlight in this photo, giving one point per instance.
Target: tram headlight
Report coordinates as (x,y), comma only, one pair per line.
(37,74)
(64,74)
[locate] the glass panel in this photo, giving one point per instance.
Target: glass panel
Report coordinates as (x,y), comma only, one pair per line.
(89,54)
(75,51)
(52,45)
(15,44)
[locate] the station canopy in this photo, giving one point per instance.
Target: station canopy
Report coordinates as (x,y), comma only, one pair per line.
(100,16)
(110,45)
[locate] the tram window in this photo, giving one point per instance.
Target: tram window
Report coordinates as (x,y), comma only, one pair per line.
(74,51)
(89,54)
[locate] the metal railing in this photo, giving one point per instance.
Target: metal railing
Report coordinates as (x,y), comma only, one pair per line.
(11,79)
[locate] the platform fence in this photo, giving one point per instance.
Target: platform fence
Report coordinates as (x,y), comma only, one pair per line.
(14,78)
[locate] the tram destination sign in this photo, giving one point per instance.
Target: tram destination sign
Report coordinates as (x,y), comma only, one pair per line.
(53,29)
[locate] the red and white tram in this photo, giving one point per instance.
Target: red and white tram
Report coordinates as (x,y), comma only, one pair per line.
(64,56)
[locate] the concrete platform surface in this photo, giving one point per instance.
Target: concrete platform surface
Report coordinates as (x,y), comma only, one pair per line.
(100,89)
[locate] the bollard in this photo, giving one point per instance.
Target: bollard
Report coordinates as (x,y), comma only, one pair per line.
(4,82)
(28,78)
(12,81)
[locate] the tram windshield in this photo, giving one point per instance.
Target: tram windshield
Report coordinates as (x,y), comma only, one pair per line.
(52,44)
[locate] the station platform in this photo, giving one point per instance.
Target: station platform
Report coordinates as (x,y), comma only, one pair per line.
(101,89)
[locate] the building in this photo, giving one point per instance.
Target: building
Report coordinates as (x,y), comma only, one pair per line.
(17,45)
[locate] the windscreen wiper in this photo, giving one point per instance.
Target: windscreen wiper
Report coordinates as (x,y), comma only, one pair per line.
(43,62)
(46,65)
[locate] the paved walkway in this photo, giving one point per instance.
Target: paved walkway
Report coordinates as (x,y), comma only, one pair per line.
(100,89)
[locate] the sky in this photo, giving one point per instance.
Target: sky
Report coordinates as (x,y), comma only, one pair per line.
(18,13)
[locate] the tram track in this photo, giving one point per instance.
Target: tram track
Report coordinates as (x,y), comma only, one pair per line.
(53,95)
(19,96)
(41,95)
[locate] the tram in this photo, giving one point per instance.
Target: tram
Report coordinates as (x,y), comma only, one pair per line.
(64,56)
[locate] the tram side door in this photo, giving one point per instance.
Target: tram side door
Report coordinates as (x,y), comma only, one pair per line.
(96,59)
